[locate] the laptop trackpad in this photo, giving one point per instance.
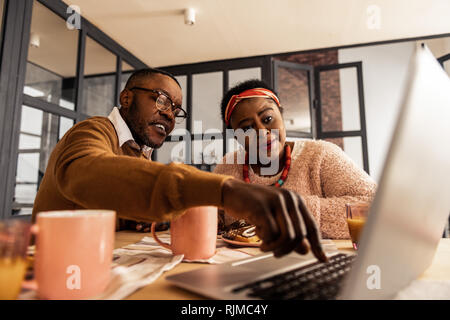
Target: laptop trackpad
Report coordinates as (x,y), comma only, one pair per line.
(268,263)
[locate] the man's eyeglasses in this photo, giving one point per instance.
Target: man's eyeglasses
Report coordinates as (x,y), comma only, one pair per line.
(163,103)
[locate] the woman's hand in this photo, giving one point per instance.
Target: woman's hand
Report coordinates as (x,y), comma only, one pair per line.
(281,218)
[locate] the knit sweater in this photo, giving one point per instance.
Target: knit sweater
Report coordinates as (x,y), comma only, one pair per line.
(88,170)
(324,176)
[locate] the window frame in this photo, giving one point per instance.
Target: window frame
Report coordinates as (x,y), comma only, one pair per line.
(16,31)
(224,66)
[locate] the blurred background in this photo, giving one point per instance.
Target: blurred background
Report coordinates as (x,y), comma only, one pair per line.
(339,68)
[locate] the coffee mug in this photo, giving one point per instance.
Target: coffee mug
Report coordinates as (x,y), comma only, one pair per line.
(193,234)
(73,253)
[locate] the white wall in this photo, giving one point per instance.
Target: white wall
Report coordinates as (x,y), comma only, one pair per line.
(384,75)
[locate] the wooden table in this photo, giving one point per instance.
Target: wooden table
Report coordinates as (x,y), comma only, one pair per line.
(162,290)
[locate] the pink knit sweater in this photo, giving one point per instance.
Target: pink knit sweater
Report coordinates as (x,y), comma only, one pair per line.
(324,176)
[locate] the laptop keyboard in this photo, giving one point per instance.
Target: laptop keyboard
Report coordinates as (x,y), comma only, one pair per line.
(317,281)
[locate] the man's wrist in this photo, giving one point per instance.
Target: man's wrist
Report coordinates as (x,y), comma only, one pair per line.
(227,185)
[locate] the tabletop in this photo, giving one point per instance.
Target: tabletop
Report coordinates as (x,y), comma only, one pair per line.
(162,290)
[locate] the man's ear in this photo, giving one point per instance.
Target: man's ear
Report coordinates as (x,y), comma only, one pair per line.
(126,98)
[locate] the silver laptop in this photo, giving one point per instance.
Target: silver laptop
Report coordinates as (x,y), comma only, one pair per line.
(405,223)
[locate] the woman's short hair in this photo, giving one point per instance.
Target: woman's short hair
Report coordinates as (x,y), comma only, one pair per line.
(239,88)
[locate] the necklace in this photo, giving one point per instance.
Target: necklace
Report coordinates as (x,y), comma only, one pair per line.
(287,165)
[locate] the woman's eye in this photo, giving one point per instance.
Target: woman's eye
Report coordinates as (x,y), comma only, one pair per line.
(267,119)
(246,128)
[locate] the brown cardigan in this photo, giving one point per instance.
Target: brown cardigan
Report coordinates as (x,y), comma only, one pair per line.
(88,170)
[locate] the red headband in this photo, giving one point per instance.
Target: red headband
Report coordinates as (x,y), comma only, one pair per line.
(250,93)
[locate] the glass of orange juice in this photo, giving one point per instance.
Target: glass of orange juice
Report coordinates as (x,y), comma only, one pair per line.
(356,218)
(14,240)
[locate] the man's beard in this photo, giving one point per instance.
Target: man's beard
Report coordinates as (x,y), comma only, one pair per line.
(138,127)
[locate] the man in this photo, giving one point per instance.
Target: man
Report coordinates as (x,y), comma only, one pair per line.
(104,163)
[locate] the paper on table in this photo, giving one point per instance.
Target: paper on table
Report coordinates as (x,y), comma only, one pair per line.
(132,270)
(223,253)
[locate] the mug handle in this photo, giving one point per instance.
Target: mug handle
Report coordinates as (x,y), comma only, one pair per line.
(163,244)
(31,284)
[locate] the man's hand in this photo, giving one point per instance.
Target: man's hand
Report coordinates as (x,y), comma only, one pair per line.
(281,218)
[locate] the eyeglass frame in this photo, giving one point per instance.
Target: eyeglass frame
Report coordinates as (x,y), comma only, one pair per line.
(160,93)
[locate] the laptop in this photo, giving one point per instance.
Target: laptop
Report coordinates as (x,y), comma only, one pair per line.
(406,219)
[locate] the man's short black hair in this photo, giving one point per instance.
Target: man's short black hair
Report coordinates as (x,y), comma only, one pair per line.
(139,75)
(239,88)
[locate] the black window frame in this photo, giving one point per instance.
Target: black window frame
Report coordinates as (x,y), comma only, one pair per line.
(362,132)
(16,35)
(224,66)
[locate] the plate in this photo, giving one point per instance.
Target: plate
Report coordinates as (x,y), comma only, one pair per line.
(241,243)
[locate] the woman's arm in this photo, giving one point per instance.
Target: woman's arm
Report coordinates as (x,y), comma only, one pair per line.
(339,181)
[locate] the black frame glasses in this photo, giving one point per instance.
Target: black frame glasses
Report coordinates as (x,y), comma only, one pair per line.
(163,102)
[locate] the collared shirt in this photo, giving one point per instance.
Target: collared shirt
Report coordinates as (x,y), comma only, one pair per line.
(124,133)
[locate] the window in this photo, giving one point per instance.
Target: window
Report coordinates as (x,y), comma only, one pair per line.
(54,96)
(341,111)
(52,59)
(207,91)
(127,70)
(39,133)
(240,75)
(202,94)
(99,79)
(293,85)
(50,82)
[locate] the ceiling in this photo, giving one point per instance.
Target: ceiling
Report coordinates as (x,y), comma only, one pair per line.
(155,32)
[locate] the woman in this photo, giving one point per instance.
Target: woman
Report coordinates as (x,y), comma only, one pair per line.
(319,171)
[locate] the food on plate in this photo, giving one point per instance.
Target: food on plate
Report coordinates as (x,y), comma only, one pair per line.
(243,234)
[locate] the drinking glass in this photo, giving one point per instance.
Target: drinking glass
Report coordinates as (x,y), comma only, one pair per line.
(356,218)
(14,240)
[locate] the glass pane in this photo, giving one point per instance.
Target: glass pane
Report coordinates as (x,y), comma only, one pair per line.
(172,151)
(39,133)
(293,91)
(206,95)
(64,125)
(208,151)
(240,75)
(26,182)
(127,70)
(99,80)
(27,142)
(27,168)
(31,120)
(349,99)
(52,59)
(352,146)
(339,100)
(183,83)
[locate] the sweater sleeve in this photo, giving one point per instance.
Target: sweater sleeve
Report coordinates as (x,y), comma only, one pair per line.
(339,181)
(91,175)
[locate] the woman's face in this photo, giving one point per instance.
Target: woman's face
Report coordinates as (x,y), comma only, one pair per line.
(263,116)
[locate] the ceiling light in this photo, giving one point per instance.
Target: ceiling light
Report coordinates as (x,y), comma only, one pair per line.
(189,16)
(35,40)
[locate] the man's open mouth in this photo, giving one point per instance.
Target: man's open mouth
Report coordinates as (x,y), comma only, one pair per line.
(160,128)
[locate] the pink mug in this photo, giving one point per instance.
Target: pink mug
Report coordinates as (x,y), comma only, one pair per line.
(193,234)
(73,253)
